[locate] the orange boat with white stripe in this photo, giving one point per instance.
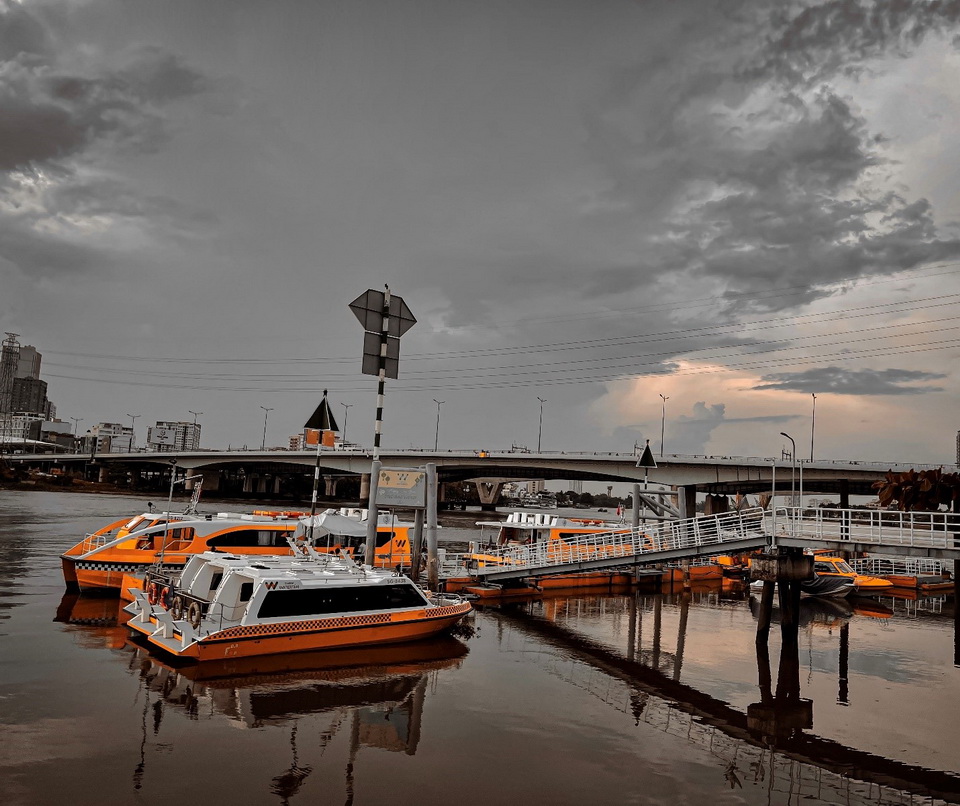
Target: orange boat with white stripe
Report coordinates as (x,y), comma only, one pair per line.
(133,545)
(227,606)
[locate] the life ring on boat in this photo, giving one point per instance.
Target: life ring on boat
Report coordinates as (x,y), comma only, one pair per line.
(165,597)
(176,609)
(152,592)
(194,614)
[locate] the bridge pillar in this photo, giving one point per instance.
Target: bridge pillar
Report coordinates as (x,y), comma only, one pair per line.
(687,501)
(330,486)
(102,475)
(716,505)
(248,482)
(489,492)
(364,488)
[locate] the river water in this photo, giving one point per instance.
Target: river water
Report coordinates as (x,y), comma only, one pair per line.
(619,698)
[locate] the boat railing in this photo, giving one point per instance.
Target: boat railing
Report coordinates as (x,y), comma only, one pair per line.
(890,566)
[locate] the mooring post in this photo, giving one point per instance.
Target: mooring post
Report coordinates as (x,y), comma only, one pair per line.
(843,690)
(416,550)
(433,564)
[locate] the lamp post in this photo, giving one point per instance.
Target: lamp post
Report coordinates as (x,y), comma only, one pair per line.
(266,412)
(813,422)
(436,439)
(663,419)
(196,438)
(540,430)
(346,413)
(793,467)
(133,422)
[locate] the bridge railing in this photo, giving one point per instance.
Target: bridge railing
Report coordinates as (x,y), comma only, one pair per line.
(928,530)
(622,544)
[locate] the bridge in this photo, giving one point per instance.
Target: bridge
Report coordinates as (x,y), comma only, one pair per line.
(267,472)
(902,534)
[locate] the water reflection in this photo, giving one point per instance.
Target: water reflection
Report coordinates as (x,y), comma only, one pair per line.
(378,694)
(772,740)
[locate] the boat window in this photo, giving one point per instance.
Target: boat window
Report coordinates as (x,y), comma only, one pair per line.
(246,591)
(846,569)
(249,538)
(217,579)
(824,568)
(384,537)
(322,601)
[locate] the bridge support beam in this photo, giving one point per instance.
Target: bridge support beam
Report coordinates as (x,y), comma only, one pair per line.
(330,486)
(489,492)
(211,481)
(687,502)
(716,504)
(364,489)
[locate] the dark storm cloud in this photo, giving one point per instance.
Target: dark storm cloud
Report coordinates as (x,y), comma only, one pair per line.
(770,196)
(52,110)
(853,382)
(839,37)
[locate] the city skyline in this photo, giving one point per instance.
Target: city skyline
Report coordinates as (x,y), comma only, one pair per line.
(717,224)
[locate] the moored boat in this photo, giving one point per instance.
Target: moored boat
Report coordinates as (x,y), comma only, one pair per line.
(227,606)
(828,566)
(131,546)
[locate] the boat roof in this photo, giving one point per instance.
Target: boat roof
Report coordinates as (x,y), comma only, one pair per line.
(322,569)
(539,520)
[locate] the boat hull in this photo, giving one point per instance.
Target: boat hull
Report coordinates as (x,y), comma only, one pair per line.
(316,634)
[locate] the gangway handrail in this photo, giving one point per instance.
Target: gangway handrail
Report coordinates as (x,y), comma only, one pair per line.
(624,546)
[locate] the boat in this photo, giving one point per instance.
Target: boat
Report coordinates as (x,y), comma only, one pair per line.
(558,533)
(828,566)
(819,585)
(131,546)
(921,574)
(232,606)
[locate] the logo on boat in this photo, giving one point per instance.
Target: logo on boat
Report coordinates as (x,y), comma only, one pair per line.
(276,585)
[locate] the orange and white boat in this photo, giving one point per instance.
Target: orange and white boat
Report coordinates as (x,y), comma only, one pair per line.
(558,533)
(228,606)
(133,545)
(827,566)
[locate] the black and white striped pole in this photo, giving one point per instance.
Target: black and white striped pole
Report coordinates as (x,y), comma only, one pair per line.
(385,318)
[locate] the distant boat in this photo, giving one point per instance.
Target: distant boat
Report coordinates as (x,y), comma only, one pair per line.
(817,585)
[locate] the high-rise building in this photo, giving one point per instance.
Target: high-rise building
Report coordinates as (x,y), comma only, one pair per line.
(9,360)
(28,363)
(173,436)
(29,395)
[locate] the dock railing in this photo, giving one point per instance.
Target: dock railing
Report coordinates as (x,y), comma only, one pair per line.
(924,530)
(623,546)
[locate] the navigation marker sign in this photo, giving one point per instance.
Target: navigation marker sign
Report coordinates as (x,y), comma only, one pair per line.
(372,309)
(646,458)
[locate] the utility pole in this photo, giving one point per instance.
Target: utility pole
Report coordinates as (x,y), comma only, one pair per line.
(436,441)
(266,411)
(663,419)
(540,431)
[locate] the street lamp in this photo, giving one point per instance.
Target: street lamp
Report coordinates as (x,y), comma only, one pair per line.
(436,439)
(540,431)
(346,413)
(133,422)
(266,411)
(793,465)
(813,422)
(663,418)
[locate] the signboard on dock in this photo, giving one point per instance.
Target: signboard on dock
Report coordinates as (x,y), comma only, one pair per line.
(402,487)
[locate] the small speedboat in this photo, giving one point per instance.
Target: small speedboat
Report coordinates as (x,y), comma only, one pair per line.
(817,585)
(836,567)
(230,606)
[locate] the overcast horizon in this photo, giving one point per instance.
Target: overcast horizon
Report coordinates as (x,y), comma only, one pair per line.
(627,216)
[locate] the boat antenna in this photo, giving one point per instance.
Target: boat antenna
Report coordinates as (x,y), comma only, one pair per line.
(166,528)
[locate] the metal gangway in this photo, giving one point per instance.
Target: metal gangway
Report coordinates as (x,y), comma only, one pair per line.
(934,535)
(726,533)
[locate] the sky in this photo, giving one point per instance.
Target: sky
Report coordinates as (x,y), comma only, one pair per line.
(610,220)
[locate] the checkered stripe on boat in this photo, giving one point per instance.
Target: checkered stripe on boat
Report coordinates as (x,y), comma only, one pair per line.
(124,568)
(328,624)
